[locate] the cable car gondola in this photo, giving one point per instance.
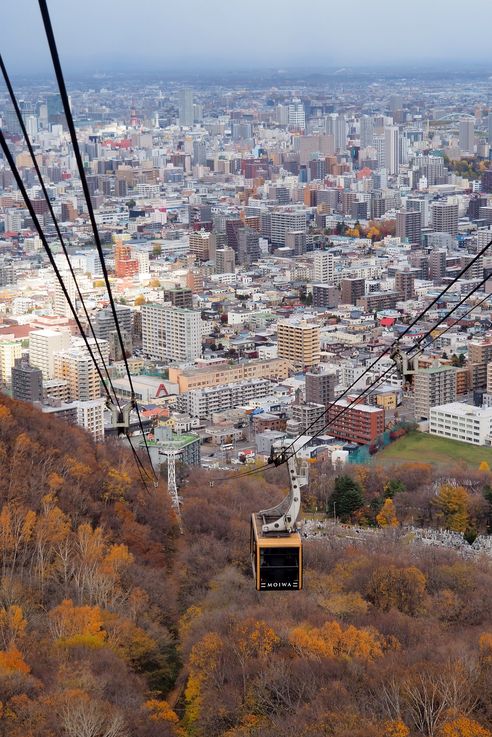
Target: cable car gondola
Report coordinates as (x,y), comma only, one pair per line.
(275,544)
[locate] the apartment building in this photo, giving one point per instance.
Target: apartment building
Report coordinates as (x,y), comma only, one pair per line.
(223,373)
(284,220)
(10,352)
(463,422)
(310,418)
(299,342)
(324,267)
(27,382)
(432,387)
(320,387)
(43,345)
(79,371)
(171,333)
(90,416)
(204,403)
(359,423)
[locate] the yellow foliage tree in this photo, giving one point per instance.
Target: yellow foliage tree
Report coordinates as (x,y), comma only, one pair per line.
(484,466)
(77,625)
(396,728)
(160,711)
(399,588)
(387,516)
(464,727)
(331,641)
(12,625)
(453,503)
(11,661)
(202,663)
(139,300)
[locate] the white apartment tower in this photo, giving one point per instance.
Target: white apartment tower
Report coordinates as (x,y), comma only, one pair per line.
(297,115)
(324,267)
(78,370)
(43,345)
(61,305)
(171,333)
(392,149)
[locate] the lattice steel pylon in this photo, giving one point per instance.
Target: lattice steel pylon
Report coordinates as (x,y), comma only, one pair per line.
(172,486)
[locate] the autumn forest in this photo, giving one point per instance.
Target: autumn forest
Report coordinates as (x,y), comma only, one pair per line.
(112,624)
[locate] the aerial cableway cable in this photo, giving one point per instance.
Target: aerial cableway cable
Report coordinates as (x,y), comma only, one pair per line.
(37,225)
(389,370)
(80,165)
(20,119)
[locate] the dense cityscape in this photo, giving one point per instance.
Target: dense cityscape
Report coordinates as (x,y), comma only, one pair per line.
(266,241)
(245,370)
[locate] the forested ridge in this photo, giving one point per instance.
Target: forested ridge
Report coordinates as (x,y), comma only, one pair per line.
(112,624)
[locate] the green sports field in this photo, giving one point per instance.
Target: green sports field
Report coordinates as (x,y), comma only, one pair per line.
(424,448)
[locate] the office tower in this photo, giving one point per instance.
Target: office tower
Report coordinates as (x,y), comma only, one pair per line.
(55,109)
(299,342)
(445,217)
(283,220)
(351,289)
(179,297)
(432,387)
(296,115)
(320,388)
(487,178)
(77,368)
(467,135)
(241,131)
(225,261)
(366,131)
(404,284)
(392,149)
(61,305)
(199,240)
(340,132)
(199,153)
(324,267)
(171,333)
(409,225)
(43,344)
(10,351)
(248,246)
(185,108)
(27,382)
(321,144)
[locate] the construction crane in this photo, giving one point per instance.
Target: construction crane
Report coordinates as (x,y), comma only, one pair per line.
(275,543)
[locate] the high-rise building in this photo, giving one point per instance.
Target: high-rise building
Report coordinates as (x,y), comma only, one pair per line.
(324,267)
(320,387)
(392,149)
(355,423)
(445,218)
(199,240)
(283,220)
(61,304)
(77,368)
(351,289)
(185,107)
(10,352)
(366,131)
(225,261)
(90,416)
(409,225)
(171,333)
(467,135)
(43,345)
(404,284)
(432,387)
(248,245)
(296,115)
(27,382)
(437,264)
(299,342)
(124,263)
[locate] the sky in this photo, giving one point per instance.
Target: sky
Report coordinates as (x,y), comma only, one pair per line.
(157,35)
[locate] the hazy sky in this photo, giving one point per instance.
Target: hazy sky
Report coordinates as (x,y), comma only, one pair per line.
(165,34)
